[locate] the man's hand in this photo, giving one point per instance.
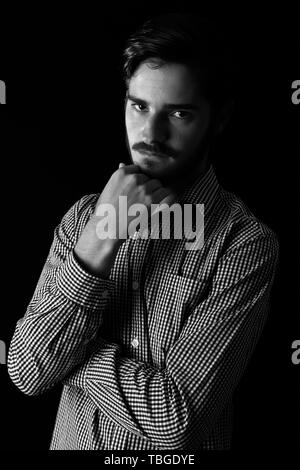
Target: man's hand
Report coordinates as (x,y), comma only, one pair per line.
(97,255)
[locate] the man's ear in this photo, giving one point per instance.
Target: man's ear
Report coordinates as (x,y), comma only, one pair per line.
(223,117)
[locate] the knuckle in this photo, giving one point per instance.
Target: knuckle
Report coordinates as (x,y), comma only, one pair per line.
(148,200)
(142,192)
(116,174)
(135,179)
(141,179)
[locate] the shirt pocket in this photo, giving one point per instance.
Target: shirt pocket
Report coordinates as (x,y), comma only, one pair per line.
(176,298)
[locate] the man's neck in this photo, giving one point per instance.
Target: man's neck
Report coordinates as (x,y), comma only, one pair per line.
(179,185)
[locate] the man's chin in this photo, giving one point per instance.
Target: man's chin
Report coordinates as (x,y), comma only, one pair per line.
(152,170)
(152,166)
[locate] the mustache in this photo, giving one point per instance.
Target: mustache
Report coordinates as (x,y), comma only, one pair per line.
(159,149)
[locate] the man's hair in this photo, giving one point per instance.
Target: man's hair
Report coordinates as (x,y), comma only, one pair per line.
(189,40)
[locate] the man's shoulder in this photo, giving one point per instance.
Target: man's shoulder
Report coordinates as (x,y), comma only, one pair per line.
(85,206)
(87,202)
(241,225)
(80,212)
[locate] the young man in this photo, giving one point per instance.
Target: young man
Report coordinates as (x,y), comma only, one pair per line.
(149,338)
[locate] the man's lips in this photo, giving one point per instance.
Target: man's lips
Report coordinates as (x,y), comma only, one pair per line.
(153,154)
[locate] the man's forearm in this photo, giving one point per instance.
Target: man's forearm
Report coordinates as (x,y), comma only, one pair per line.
(100,262)
(60,321)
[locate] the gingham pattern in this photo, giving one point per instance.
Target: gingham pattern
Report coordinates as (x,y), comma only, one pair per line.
(150,357)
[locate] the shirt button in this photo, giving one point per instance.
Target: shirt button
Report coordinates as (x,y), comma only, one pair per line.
(135,343)
(105,294)
(135,285)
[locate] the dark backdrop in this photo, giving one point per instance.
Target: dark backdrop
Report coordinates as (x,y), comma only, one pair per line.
(62,136)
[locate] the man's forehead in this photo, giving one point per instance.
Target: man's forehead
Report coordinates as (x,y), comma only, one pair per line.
(170,82)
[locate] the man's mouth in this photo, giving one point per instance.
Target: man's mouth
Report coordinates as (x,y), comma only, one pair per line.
(153,154)
(156,151)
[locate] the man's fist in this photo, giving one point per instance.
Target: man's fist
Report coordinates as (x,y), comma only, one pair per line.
(138,188)
(97,254)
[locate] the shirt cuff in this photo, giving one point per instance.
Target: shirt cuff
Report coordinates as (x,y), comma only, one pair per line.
(81,287)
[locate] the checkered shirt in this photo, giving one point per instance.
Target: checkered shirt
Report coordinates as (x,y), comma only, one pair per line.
(151,356)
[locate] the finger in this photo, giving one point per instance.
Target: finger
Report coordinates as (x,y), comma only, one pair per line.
(121,165)
(131,169)
(166,201)
(152,185)
(170,199)
(163,196)
(141,179)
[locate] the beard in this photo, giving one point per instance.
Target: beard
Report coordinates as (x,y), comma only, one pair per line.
(186,170)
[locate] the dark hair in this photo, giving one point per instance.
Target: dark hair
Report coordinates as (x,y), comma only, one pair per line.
(190,40)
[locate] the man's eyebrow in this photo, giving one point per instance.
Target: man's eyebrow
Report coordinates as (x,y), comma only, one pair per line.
(171,106)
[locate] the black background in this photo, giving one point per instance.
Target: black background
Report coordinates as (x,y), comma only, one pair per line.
(62,135)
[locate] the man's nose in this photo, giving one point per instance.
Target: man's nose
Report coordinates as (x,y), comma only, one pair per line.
(155,130)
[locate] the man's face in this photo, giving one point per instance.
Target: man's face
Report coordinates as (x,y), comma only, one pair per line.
(167,120)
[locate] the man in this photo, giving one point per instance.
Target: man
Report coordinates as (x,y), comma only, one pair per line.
(150,339)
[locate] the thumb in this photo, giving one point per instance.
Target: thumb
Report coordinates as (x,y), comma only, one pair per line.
(121,165)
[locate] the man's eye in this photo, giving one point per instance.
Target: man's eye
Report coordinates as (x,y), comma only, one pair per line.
(138,107)
(181,114)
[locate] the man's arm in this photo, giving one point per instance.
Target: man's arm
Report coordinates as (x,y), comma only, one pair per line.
(176,407)
(71,296)
(64,313)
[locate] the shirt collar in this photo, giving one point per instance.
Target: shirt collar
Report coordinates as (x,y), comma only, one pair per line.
(203,190)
